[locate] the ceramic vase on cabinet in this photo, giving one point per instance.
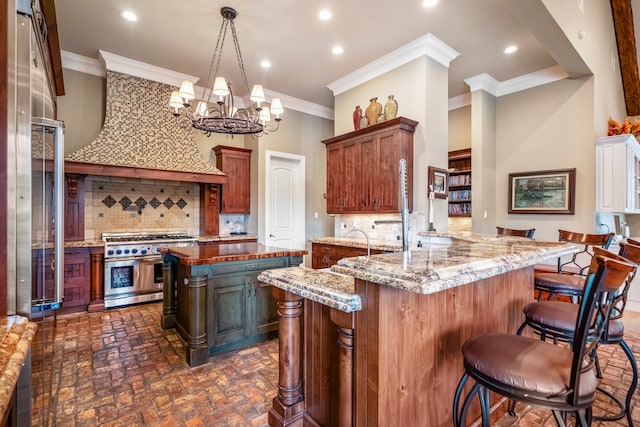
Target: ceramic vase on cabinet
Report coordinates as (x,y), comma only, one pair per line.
(390,108)
(373,111)
(357,116)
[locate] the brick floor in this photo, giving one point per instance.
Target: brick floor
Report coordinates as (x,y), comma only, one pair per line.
(119,368)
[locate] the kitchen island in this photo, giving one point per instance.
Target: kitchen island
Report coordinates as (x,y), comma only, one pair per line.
(377,341)
(212,297)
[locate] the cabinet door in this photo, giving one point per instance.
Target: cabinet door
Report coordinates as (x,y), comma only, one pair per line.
(236,196)
(231,322)
(265,308)
(369,173)
(391,151)
(77,280)
(320,255)
(335,168)
(342,177)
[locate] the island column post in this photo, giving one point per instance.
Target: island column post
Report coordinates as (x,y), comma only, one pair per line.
(168,320)
(345,323)
(288,405)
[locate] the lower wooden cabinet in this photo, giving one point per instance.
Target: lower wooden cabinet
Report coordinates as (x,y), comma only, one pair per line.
(77,279)
(324,255)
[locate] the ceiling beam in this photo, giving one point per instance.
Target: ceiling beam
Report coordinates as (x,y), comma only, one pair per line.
(627,56)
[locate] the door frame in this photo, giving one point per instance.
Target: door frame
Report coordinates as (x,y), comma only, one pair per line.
(299,191)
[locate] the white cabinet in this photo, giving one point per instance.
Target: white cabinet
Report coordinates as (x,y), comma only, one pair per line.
(618,174)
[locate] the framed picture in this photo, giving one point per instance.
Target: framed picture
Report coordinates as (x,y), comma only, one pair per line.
(543,192)
(438,182)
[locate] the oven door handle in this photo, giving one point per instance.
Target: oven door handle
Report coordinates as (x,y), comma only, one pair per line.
(111,260)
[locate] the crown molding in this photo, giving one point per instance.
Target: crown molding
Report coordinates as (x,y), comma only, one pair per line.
(132,67)
(483,82)
(527,81)
(427,45)
(73,61)
(135,68)
(460,101)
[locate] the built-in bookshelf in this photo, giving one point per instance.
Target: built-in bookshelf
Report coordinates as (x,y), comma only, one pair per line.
(460,182)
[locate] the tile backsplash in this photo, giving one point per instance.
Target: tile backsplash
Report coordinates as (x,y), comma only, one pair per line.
(139,205)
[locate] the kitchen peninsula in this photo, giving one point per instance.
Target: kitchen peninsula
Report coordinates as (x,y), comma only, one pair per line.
(377,340)
(212,297)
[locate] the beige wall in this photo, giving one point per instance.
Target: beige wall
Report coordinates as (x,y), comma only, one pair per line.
(420,88)
(460,128)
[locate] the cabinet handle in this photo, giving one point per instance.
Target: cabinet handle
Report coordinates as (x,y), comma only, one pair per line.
(255,288)
(248,285)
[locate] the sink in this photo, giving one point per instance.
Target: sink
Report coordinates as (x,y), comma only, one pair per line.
(436,240)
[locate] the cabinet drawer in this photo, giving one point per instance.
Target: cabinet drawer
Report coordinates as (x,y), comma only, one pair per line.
(251,265)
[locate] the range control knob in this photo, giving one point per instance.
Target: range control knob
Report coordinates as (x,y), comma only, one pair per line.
(118,251)
(143,252)
(126,251)
(134,251)
(110,252)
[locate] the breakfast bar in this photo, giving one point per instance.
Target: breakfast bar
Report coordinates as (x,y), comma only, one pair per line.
(212,297)
(376,340)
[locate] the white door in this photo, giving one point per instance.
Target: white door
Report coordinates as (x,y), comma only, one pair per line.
(284,209)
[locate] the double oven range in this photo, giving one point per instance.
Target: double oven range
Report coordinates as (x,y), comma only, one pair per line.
(133,265)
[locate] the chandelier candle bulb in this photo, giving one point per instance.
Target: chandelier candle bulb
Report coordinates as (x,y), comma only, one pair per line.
(176,101)
(186,90)
(220,87)
(276,107)
(257,94)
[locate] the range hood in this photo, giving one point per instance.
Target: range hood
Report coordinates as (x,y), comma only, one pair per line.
(140,139)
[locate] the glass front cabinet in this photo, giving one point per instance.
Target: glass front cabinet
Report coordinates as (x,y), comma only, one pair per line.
(618,174)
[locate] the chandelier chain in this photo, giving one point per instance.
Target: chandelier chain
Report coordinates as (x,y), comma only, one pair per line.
(243,73)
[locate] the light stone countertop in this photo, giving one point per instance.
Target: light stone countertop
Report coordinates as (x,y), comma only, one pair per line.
(16,334)
(331,289)
(445,261)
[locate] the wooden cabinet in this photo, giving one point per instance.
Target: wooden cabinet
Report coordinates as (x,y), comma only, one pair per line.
(236,165)
(77,279)
(618,174)
(324,255)
(244,310)
(460,182)
(362,167)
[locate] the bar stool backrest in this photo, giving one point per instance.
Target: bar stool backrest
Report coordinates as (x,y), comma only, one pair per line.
(501,231)
(579,263)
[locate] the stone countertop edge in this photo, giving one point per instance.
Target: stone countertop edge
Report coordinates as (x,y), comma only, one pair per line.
(225,237)
(429,279)
(333,290)
(15,341)
(359,242)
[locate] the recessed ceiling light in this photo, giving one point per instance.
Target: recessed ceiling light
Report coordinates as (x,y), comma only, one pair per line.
(129,15)
(337,50)
(429,3)
(324,14)
(265,63)
(510,49)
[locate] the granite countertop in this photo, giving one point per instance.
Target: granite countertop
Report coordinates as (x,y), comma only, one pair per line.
(445,261)
(212,254)
(449,260)
(328,288)
(16,334)
(358,241)
(225,237)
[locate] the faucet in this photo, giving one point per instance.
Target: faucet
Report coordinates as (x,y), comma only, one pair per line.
(403,201)
(354,228)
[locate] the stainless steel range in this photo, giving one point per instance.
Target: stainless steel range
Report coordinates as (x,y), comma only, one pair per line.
(133,265)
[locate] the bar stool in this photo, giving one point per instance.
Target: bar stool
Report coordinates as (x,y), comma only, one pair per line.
(556,320)
(501,231)
(569,278)
(538,372)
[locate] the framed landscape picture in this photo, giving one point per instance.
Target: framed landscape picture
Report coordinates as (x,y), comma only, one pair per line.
(543,192)
(438,182)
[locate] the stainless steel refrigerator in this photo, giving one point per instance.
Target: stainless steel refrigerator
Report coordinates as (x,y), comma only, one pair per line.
(35,229)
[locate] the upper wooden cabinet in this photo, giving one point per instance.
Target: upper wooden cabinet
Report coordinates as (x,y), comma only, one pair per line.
(362,167)
(236,193)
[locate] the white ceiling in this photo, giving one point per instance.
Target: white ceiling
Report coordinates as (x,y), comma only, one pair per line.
(181,36)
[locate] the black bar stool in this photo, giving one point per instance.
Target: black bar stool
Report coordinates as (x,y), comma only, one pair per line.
(556,320)
(568,280)
(501,231)
(538,372)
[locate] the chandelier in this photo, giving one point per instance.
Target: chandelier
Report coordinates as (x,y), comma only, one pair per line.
(221,115)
